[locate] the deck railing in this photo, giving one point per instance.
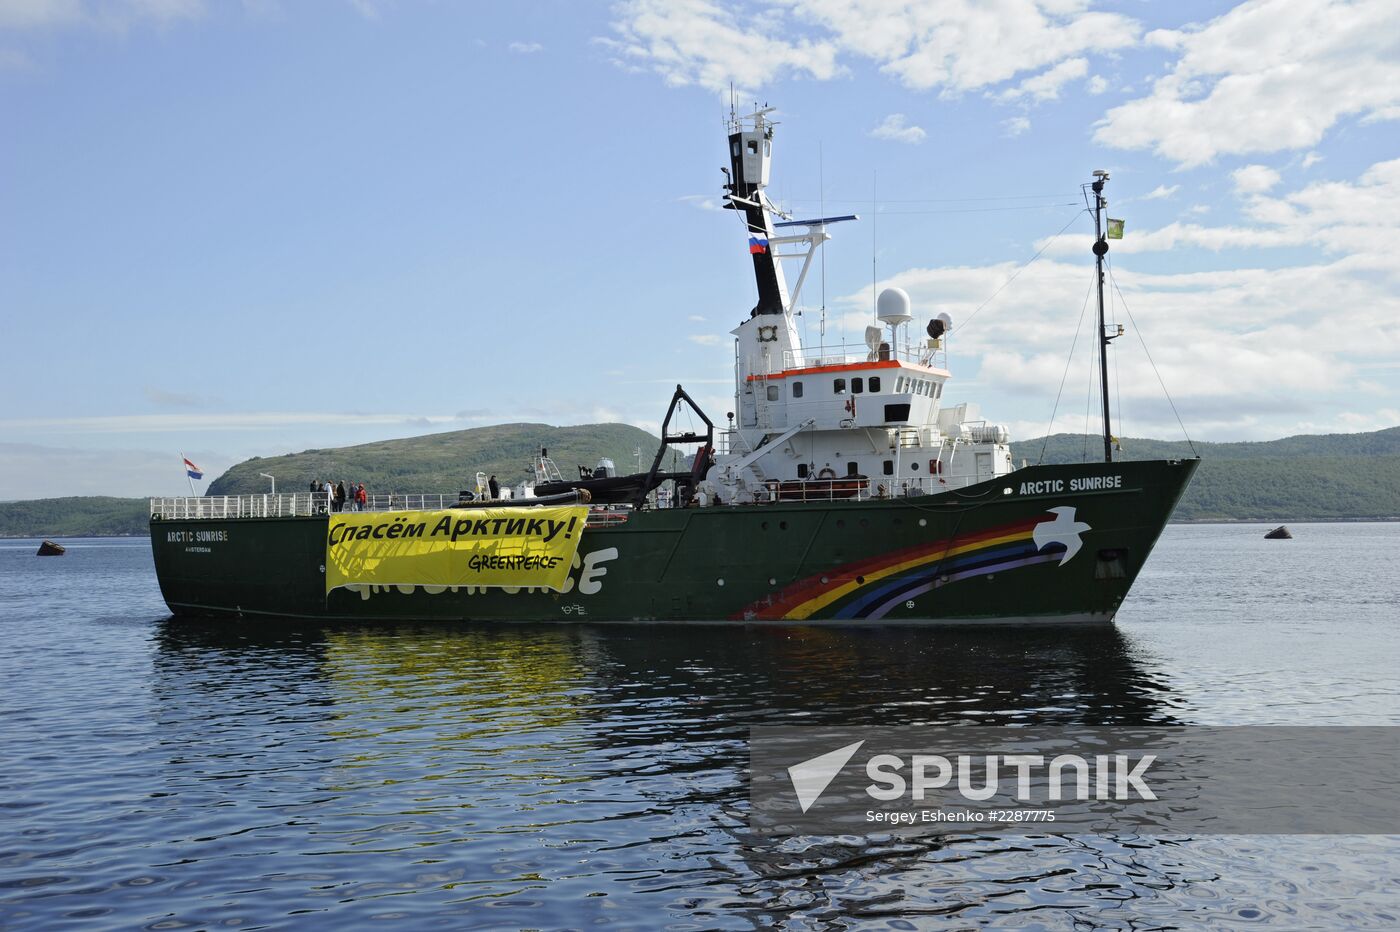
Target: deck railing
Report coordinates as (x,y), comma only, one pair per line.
(919,353)
(286,505)
(306,504)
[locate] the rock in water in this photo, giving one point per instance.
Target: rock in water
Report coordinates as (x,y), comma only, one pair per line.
(1279,533)
(49,549)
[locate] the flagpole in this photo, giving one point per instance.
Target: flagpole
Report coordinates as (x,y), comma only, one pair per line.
(193,494)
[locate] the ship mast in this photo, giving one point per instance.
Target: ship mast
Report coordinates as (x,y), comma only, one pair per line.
(1100,250)
(750,156)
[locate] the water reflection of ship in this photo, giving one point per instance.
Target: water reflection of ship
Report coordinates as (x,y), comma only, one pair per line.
(700,679)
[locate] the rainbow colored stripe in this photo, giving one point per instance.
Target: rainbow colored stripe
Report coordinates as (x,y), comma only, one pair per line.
(871,588)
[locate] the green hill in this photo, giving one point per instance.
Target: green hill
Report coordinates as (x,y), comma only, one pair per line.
(77,516)
(446,462)
(1296,478)
(1333,476)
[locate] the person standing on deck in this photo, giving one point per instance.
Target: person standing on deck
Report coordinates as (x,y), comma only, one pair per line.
(329,492)
(494,487)
(340,496)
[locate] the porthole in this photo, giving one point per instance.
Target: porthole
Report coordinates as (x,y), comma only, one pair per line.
(923,522)
(720,581)
(840,522)
(864,522)
(825,580)
(772,581)
(764,525)
(782,525)
(860,580)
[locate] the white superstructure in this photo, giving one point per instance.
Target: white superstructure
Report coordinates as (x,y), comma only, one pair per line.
(847,421)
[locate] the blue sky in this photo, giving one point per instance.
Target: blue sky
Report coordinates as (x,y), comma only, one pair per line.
(237,229)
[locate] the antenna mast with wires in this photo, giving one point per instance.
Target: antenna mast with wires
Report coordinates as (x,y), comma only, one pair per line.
(1101,250)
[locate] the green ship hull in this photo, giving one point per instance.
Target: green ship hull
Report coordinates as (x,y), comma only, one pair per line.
(1043,544)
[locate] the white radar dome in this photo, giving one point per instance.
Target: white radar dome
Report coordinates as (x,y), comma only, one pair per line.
(893,306)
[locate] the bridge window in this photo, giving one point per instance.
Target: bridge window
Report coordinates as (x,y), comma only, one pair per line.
(938,390)
(857,386)
(797,389)
(874,384)
(773,393)
(753,147)
(838,386)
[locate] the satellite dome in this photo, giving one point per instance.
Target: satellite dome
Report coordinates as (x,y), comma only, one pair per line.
(893,306)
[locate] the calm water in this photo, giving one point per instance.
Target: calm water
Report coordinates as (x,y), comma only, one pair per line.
(171,775)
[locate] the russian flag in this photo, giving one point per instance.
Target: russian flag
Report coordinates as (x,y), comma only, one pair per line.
(193,471)
(758,244)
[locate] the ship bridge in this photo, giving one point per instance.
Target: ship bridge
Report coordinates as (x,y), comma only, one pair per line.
(846,386)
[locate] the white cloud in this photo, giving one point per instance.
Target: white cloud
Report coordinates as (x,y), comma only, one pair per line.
(699,42)
(525,48)
(1268,75)
(1311,159)
(697,318)
(1358,219)
(1096,85)
(1254,179)
(895,128)
(949,47)
(1161,192)
(1248,350)
(1016,125)
(706,339)
(1047,84)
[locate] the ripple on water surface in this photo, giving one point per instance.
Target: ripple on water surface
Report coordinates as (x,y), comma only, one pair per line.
(163,774)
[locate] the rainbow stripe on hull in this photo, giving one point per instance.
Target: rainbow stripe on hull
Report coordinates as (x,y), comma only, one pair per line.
(874,586)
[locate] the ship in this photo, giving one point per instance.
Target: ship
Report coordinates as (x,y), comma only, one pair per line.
(841,491)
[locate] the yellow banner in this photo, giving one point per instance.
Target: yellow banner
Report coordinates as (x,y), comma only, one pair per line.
(456,547)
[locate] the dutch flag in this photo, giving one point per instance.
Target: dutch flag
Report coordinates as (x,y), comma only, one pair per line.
(758,244)
(193,471)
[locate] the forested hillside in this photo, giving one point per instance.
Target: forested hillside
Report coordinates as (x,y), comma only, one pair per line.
(1334,476)
(1304,477)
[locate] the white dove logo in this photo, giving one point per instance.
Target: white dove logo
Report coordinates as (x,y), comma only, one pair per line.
(1063,530)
